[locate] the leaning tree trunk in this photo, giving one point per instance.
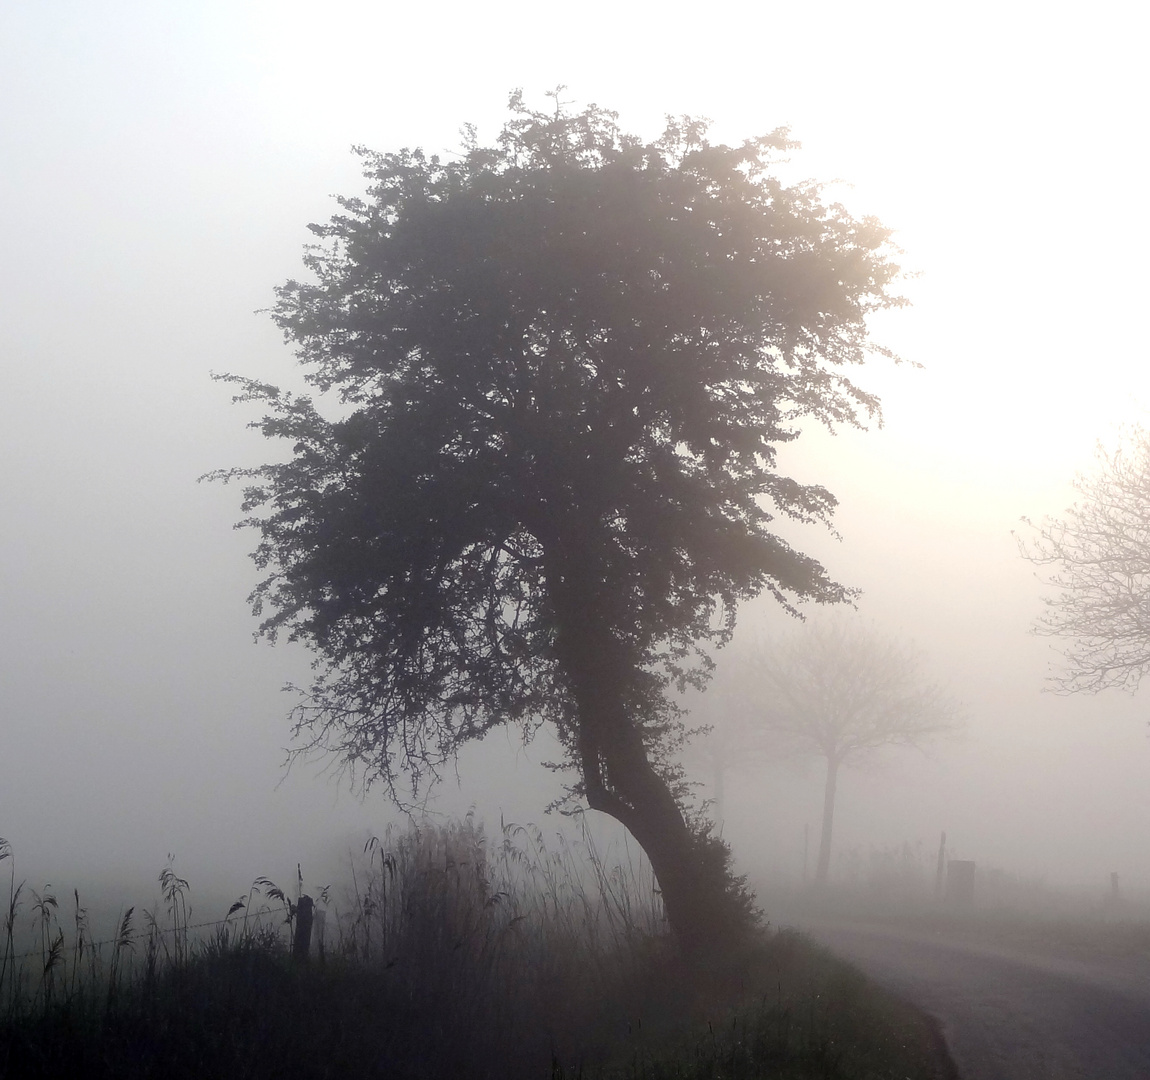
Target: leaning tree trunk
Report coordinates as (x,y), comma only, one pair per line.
(702,900)
(619,780)
(824,863)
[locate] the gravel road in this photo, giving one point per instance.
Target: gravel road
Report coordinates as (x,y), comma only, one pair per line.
(1012,1015)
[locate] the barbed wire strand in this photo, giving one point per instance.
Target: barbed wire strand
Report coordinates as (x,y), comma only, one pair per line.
(135,935)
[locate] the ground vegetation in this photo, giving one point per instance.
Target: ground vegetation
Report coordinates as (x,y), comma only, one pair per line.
(450,955)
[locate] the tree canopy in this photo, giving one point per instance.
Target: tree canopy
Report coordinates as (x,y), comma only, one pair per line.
(1099,555)
(561,366)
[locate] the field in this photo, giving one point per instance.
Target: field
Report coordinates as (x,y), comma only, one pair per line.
(452,956)
(896,888)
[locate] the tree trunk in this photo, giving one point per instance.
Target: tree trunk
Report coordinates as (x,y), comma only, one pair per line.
(620,781)
(824,863)
(940,871)
(720,793)
(701,899)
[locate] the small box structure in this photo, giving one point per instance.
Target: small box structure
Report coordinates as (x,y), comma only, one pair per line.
(960,884)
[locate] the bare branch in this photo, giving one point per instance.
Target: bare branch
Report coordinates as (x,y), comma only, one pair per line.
(841,690)
(1098,560)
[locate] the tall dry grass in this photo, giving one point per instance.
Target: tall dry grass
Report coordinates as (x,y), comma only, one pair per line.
(448,955)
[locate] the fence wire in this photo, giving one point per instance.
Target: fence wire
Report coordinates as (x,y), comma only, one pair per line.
(136,935)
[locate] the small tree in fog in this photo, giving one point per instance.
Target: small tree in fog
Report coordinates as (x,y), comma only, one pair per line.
(726,735)
(564,363)
(1099,555)
(840,690)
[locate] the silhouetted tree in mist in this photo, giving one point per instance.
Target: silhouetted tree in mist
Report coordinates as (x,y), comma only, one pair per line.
(562,366)
(1099,552)
(840,690)
(725,735)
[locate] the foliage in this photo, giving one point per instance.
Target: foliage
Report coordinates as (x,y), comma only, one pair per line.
(569,344)
(1099,555)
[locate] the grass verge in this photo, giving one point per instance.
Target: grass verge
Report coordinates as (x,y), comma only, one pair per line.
(452,958)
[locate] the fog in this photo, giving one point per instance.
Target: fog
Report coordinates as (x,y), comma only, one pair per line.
(160,163)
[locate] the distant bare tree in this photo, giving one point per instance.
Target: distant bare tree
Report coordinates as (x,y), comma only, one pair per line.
(726,734)
(1100,581)
(840,690)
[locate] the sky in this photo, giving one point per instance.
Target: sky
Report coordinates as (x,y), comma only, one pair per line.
(159,164)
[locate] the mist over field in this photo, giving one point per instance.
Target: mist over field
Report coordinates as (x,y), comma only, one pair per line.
(160,166)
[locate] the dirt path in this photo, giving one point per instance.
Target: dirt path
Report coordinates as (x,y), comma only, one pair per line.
(1011,1015)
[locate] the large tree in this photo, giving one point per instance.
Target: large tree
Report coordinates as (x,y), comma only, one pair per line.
(561,367)
(840,690)
(1099,559)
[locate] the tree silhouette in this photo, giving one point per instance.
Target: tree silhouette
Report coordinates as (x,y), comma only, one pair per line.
(840,690)
(1100,552)
(562,365)
(726,734)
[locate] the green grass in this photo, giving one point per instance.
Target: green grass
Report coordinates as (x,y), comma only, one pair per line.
(452,957)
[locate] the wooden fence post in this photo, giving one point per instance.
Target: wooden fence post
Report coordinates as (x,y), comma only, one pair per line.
(320,917)
(303,918)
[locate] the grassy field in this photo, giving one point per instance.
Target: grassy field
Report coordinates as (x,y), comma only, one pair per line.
(454,956)
(1030,917)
